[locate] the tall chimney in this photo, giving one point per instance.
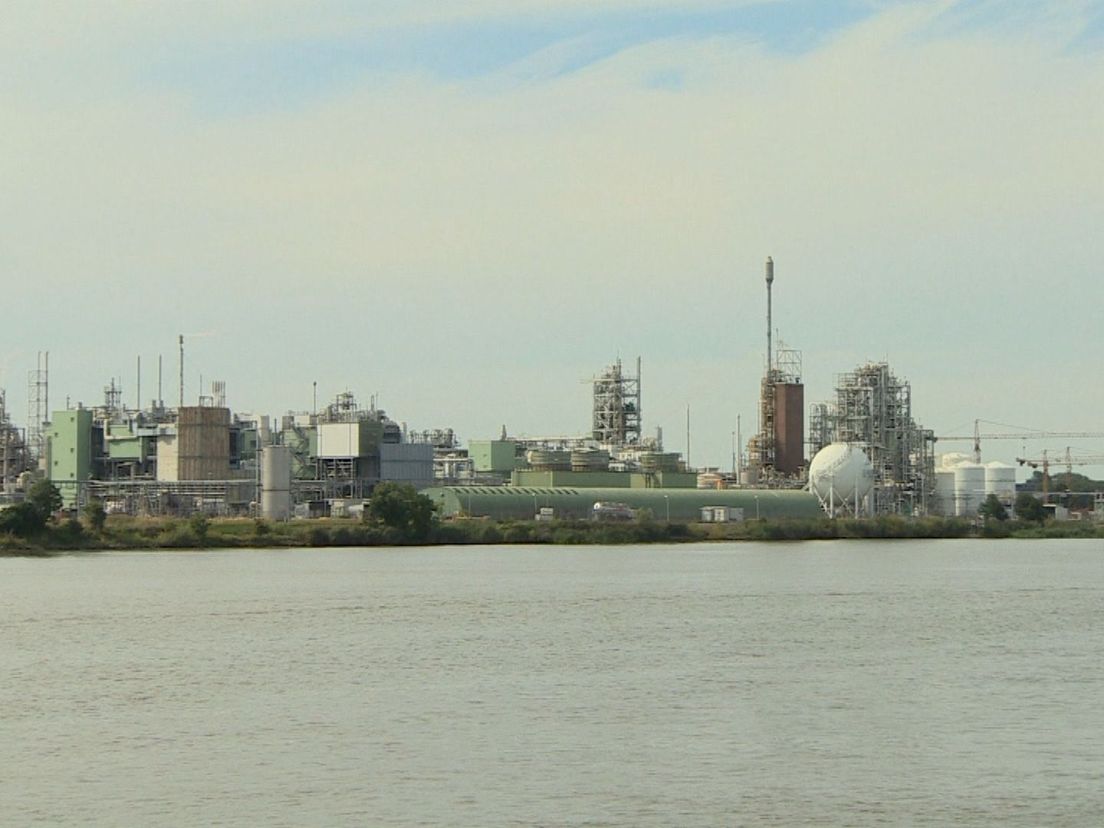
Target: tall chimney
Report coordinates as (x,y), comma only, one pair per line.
(770,281)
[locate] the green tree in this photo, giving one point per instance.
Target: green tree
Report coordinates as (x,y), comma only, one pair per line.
(21,520)
(45,498)
(399,506)
(1028,507)
(94,515)
(993,509)
(199,526)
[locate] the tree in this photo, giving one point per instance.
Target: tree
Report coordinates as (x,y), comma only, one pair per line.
(199,525)
(21,520)
(45,498)
(399,506)
(1028,507)
(95,515)
(993,509)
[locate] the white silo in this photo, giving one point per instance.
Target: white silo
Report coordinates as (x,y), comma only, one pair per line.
(276,482)
(1000,480)
(945,492)
(969,488)
(841,477)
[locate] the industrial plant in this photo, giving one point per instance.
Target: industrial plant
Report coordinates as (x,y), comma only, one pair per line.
(864,454)
(872,412)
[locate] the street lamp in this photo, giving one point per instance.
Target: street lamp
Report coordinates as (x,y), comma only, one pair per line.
(667,503)
(757,507)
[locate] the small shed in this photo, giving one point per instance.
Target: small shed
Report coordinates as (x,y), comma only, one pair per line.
(721,514)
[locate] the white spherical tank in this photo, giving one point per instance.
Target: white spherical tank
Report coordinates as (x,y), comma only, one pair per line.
(841,475)
(276,482)
(969,489)
(1000,480)
(945,491)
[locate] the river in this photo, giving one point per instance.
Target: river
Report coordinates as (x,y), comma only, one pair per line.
(825,683)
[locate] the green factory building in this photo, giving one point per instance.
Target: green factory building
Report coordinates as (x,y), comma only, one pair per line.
(69,452)
(495,456)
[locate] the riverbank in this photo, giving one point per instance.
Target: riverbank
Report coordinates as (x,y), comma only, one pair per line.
(127,533)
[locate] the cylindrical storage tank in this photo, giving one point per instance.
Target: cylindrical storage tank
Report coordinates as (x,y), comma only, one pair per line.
(549,460)
(945,492)
(584,460)
(276,482)
(656,461)
(841,476)
(1000,480)
(710,480)
(969,489)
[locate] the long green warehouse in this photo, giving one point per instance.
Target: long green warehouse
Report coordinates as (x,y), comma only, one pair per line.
(523,502)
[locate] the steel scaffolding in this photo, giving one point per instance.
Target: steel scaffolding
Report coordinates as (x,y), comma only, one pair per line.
(874,410)
(617,420)
(38,406)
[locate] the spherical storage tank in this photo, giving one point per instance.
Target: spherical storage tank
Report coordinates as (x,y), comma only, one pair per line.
(841,475)
(969,488)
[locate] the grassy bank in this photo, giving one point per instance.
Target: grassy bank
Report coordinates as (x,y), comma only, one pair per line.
(122,533)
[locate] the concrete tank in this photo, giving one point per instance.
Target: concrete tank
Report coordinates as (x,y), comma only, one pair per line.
(276,482)
(584,460)
(1000,480)
(969,489)
(549,459)
(945,492)
(841,476)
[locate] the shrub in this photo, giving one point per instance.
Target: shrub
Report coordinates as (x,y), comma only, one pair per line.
(199,524)
(94,515)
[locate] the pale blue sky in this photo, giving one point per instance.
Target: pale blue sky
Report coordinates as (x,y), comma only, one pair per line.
(470,207)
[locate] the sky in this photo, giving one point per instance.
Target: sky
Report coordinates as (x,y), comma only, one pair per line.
(467,208)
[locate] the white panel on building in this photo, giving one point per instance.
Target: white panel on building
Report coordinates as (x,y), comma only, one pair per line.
(338,440)
(168,467)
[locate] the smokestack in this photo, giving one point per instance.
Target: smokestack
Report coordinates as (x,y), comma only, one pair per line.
(181,370)
(770,281)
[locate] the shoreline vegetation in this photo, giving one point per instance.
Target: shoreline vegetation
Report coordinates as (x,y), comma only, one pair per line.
(120,533)
(397,515)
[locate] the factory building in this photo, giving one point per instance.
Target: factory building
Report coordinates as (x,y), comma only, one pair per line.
(873,411)
(69,452)
(15,457)
(204,457)
(776,452)
(344,451)
(200,447)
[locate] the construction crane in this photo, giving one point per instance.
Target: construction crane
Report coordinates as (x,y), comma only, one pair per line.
(1069,460)
(1026,434)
